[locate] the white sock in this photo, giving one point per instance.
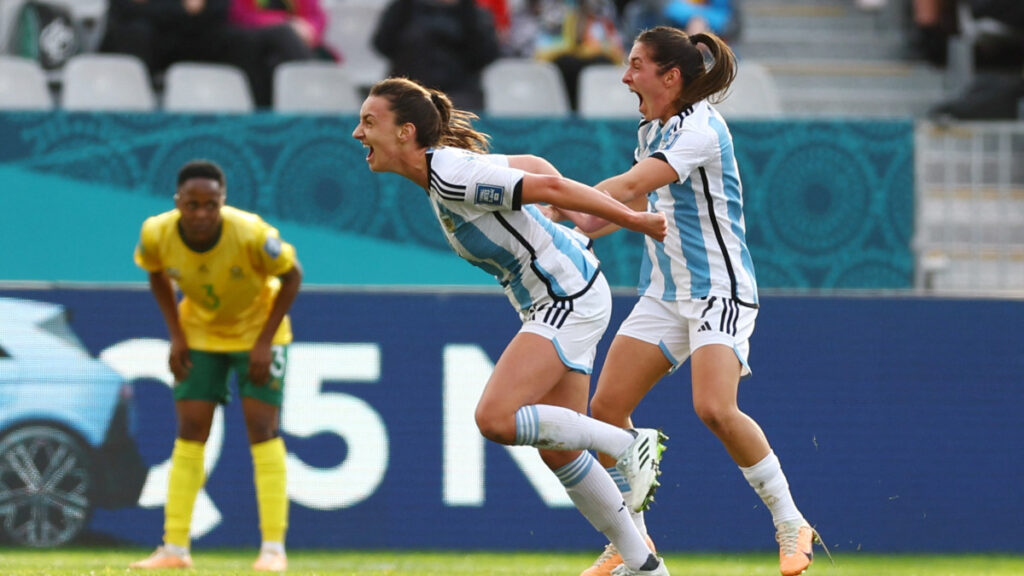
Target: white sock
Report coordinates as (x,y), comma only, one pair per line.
(176,550)
(620,481)
(272,547)
(556,428)
(599,500)
(767,479)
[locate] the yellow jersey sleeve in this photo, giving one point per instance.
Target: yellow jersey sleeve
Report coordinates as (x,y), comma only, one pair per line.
(147,251)
(273,256)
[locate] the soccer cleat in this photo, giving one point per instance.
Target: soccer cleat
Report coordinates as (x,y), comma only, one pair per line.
(639,466)
(796,541)
(271,562)
(608,560)
(623,570)
(162,558)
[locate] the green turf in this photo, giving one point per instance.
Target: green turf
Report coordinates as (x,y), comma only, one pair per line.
(99,562)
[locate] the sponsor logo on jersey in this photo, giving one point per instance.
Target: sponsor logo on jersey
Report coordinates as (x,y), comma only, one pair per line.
(489,194)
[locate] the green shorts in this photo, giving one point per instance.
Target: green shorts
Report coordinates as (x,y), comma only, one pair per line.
(208,379)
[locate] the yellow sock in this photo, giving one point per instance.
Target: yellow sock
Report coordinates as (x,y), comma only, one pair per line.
(186,478)
(268,463)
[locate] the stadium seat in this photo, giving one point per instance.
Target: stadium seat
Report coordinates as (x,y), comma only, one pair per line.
(23,85)
(603,95)
(524,87)
(108,82)
(350,28)
(753,93)
(212,88)
(314,87)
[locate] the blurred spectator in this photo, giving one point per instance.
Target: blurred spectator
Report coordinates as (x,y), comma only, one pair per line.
(162,32)
(571,34)
(696,16)
(500,13)
(442,44)
(994,30)
(934,23)
(999,33)
(300,22)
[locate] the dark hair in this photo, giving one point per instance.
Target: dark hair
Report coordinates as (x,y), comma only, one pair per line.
(201,169)
(437,122)
(672,48)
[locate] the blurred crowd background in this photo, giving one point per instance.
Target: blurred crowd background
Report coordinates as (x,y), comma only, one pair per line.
(959,59)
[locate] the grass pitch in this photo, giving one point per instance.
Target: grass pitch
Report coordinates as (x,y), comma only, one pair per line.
(105,561)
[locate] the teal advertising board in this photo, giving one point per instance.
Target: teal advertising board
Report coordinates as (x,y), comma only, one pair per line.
(829,205)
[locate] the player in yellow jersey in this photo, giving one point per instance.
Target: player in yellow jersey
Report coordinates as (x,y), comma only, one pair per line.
(238,280)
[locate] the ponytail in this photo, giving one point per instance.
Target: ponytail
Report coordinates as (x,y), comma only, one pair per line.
(437,122)
(457,125)
(714,83)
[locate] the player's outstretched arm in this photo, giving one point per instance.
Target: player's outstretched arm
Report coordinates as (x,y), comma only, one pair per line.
(567,194)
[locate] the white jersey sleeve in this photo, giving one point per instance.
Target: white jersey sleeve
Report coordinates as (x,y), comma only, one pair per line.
(484,181)
(686,151)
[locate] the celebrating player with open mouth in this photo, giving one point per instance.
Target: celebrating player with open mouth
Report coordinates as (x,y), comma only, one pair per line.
(537,393)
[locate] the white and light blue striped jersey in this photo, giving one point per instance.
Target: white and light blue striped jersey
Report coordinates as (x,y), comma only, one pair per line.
(705,252)
(478,200)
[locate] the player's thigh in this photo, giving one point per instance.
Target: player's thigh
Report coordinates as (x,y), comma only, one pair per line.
(631,368)
(570,392)
(557,338)
(528,369)
(650,343)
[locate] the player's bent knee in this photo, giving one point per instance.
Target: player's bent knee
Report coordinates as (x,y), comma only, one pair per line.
(496,428)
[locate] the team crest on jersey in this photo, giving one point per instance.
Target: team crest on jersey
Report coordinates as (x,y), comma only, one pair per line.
(272,246)
(236,272)
(489,194)
(448,223)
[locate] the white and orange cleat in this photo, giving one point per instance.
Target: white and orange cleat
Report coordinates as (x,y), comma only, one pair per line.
(609,560)
(796,542)
(165,557)
(271,561)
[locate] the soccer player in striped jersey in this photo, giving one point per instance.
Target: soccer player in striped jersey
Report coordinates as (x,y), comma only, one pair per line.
(698,293)
(537,393)
(238,280)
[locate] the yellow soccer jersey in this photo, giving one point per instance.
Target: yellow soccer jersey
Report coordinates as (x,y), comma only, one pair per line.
(228,289)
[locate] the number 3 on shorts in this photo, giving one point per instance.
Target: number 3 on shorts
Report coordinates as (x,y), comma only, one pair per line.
(278,363)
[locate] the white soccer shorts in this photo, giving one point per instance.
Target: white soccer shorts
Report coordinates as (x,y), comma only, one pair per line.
(574,326)
(679,328)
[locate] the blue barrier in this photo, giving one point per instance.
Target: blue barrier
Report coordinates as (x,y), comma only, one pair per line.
(897,421)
